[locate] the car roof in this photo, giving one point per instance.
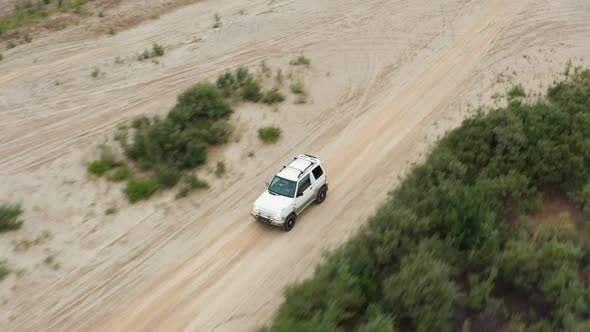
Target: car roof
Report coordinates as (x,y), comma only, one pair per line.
(298,167)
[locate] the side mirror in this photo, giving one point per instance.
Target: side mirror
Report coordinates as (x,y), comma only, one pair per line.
(299,194)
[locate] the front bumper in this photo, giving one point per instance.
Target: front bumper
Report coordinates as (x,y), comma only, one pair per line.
(267,220)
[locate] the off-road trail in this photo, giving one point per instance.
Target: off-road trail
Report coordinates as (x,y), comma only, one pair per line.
(387,77)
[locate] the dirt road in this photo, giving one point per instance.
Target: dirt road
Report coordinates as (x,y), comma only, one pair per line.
(387,77)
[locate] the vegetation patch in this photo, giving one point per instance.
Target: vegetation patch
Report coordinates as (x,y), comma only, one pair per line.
(300,61)
(138,189)
(269,134)
(454,247)
(516,91)
(26,244)
(190,183)
(156,51)
(10,217)
(4,270)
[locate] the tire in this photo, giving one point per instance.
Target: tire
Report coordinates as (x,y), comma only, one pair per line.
(321,197)
(289,222)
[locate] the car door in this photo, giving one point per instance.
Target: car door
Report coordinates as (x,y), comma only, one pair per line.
(304,193)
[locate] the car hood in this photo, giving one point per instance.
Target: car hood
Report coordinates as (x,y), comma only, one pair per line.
(272,204)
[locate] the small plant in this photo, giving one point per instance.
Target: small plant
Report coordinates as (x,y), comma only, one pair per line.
(158,50)
(273,96)
(269,134)
(4,270)
(265,69)
(26,244)
(98,167)
(301,60)
(568,67)
(1,57)
(50,260)
(138,189)
(10,44)
(167,175)
(95,73)
(101,13)
(298,88)
(112,31)
(10,217)
(154,16)
(251,91)
(217,23)
(516,91)
(112,210)
(189,183)
(279,77)
(27,38)
(120,174)
(220,169)
(118,60)
(301,99)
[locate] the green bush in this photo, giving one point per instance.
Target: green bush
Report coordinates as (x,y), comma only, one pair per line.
(98,167)
(452,219)
(273,96)
(269,134)
(301,60)
(220,169)
(167,175)
(251,91)
(516,91)
(120,174)
(422,292)
(10,217)
(4,270)
(158,50)
(189,183)
(138,189)
(298,88)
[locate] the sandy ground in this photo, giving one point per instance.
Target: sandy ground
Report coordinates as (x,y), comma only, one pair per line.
(387,78)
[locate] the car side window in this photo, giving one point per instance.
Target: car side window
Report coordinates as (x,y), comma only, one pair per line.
(317,172)
(304,184)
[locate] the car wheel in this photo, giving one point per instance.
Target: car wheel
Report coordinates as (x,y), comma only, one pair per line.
(289,222)
(321,195)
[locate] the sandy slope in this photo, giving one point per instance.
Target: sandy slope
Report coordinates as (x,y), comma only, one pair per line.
(387,78)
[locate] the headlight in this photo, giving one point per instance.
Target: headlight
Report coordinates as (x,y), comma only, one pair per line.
(278,216)
(256,209)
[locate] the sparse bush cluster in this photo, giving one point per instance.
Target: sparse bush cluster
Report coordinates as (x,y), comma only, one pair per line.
(269,134)
(156,51)
(242,85)
(10,217)
(444,252)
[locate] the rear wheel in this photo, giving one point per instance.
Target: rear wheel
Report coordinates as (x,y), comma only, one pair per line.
(321,197)
(289,222)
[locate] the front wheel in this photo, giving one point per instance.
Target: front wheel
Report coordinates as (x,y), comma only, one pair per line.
(321,197)
(289,222)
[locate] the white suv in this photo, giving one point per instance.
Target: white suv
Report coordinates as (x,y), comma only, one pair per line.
(293,188)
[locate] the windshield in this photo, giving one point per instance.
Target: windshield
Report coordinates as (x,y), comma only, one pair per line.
(282,187)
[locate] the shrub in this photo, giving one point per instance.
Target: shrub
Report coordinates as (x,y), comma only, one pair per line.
(220,169)
(95,73)
(158,50)
(110,211)
(298,88)
(189,183)
(422,292)
(10,44)
(273,96)
(269,134)
(28,38)
(120,174)
(10,217)
(98,167)
(138,189)
(199,106)
(301,99)
(301,60)
(4,270)
(217,20)
(251,91)
(516,91)
(167,175)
